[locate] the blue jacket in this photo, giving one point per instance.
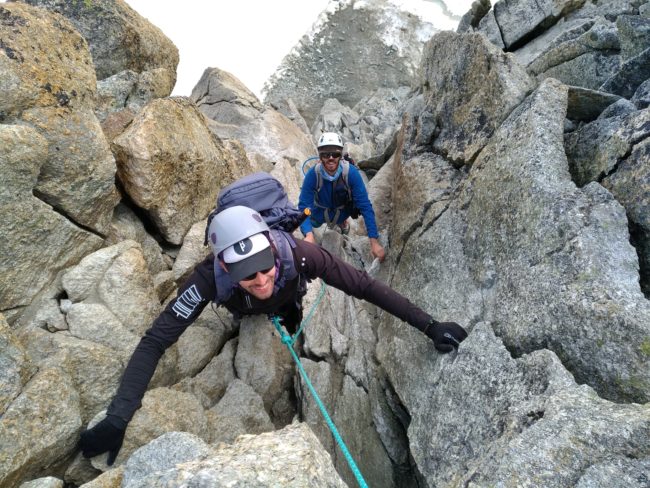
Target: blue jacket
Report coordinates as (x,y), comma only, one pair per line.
(326,198)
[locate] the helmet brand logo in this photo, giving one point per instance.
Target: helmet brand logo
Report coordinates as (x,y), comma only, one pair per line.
(243,247)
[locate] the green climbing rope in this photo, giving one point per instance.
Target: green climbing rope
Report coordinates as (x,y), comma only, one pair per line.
(289,340)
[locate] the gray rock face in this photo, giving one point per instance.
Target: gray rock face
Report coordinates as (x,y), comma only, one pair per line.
(376,35)
(630,185)
(521,256)
(28,260)
(291,457)
(641,97)
(78,176)
(542,429)
(470,87)
(520,19)
(586,60)
(15,367)
(630,76)
(125,225)
(104,277)
(618,473)
(586,105)
(163,454)
(130,90)
(268,137)
(240,411)
(594,150)
(585,294)
(49,405)
(119,38)
(210,384)
(33,74)
(172,165)
(263,363)
(596,45)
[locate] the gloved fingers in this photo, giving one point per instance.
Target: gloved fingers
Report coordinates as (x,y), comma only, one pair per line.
(442,347)
(462,334)
(454,332)
(88,444)
(112,454)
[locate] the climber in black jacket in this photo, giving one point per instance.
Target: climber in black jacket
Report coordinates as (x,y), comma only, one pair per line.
(252,270)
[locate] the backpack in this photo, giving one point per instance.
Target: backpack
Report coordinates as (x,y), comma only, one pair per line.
(341,183)
(262,192)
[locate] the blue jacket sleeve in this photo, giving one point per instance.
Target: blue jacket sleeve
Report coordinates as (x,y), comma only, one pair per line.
(306,199)
(362,202)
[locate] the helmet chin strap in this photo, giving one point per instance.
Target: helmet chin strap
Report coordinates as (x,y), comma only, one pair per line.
(330,177)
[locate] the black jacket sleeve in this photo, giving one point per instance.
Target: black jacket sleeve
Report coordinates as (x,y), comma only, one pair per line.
(316,262)
(180,313)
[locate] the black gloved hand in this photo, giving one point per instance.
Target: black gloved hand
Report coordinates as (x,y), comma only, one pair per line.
(107,435)
(446,335)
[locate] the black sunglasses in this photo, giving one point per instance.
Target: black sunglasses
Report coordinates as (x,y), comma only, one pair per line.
(327,155)
(251,277)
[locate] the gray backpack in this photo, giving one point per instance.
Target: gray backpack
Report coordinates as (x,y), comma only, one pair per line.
(261,192)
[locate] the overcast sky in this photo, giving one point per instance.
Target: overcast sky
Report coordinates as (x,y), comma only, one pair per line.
(247,38)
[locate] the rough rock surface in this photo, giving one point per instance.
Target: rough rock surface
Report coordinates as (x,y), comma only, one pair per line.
(172,166)
(119,37)
(387,42)
(290,457)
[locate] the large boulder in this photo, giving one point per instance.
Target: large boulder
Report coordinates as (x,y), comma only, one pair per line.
(481,417)
(269,138)
(32,73)
(49,406)
(470,88)
(550,264)
(291,457)
(78,176)
(519,20)
(263,363)
(119,38)
(39,241)
(172,166)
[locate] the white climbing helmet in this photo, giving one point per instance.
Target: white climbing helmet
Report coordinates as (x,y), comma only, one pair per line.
(233,225)
(330,139)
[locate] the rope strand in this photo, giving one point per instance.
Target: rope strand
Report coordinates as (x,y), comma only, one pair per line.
(289,341)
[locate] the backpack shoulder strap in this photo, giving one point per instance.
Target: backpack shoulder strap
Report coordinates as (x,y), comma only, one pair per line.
(319,177)
(224,284)
(319,182)
(345,174)
(284,244)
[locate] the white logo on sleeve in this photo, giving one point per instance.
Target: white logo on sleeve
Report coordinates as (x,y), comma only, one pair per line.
(187,302)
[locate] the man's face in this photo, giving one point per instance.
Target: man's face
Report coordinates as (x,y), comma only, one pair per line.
(330,163)
(260,286)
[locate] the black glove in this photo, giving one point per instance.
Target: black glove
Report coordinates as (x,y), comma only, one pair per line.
(107,435)
(445,335)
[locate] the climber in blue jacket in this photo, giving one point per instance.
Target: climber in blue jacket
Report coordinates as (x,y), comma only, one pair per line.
(334,191)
